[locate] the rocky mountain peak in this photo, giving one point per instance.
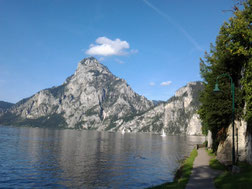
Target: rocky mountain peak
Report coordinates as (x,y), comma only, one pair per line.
(91,64)
(92,98)
(188,88)
(90,61)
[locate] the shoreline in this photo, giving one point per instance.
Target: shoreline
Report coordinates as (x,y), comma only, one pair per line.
(182,174)
(69,128)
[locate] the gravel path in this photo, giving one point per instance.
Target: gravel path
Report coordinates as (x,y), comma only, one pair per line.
(202,175)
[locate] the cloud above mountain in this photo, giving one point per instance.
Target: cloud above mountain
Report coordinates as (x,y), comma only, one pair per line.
(165,83)
(107,47)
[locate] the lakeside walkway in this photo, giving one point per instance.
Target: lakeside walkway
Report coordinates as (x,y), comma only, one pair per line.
(202,175)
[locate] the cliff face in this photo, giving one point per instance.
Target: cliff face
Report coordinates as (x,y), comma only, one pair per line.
(243,144)
(93,98)
(176,116)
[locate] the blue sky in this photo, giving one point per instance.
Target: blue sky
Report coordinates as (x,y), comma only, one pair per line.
(155,45)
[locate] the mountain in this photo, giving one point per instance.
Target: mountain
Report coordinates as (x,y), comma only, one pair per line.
(93,98)
(157,102)
(5,105)
(176,116)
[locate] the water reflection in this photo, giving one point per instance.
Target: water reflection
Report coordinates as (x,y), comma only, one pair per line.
(34,157)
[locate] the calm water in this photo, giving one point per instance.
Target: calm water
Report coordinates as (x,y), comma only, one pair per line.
(46,158)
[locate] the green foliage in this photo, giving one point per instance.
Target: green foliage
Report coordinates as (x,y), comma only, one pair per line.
(110,126)
(215,164)
(92,111)
(210,152)
(79,125)
(131,116)
(154,122)
(247,83)
(111,120)
(23,101)
(58,91)
(205,143)
(231,54)
(182,175)
(8,119)
(234,181)
(54,120)
(229,180)
(5,105)
(145,129)
(95,72)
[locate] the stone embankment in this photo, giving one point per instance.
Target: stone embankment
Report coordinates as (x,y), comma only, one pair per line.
(243,145)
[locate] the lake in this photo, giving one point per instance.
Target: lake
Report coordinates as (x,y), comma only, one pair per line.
(51,158)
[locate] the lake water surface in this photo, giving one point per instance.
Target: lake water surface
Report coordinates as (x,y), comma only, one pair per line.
(51,158)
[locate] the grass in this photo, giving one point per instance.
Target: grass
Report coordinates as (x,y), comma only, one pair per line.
(182,175)
(210,152)
(226,179)
(214,163)
(241,180)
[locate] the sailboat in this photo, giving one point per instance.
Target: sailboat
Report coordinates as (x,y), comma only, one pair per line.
(163,133)
(123,131)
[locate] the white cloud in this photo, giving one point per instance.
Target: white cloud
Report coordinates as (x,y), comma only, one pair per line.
(107,47)
(152,83)
(165,83)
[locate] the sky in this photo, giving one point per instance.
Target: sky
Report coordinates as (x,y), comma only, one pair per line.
(155,45)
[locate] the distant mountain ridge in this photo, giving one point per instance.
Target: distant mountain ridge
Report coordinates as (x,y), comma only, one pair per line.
(93,98)
(5,105)
(178,115)
(157,102)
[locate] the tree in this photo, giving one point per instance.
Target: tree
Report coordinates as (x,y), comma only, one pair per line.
(231,54)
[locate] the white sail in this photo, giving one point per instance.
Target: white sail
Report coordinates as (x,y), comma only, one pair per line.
(163,133)
(123,131)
